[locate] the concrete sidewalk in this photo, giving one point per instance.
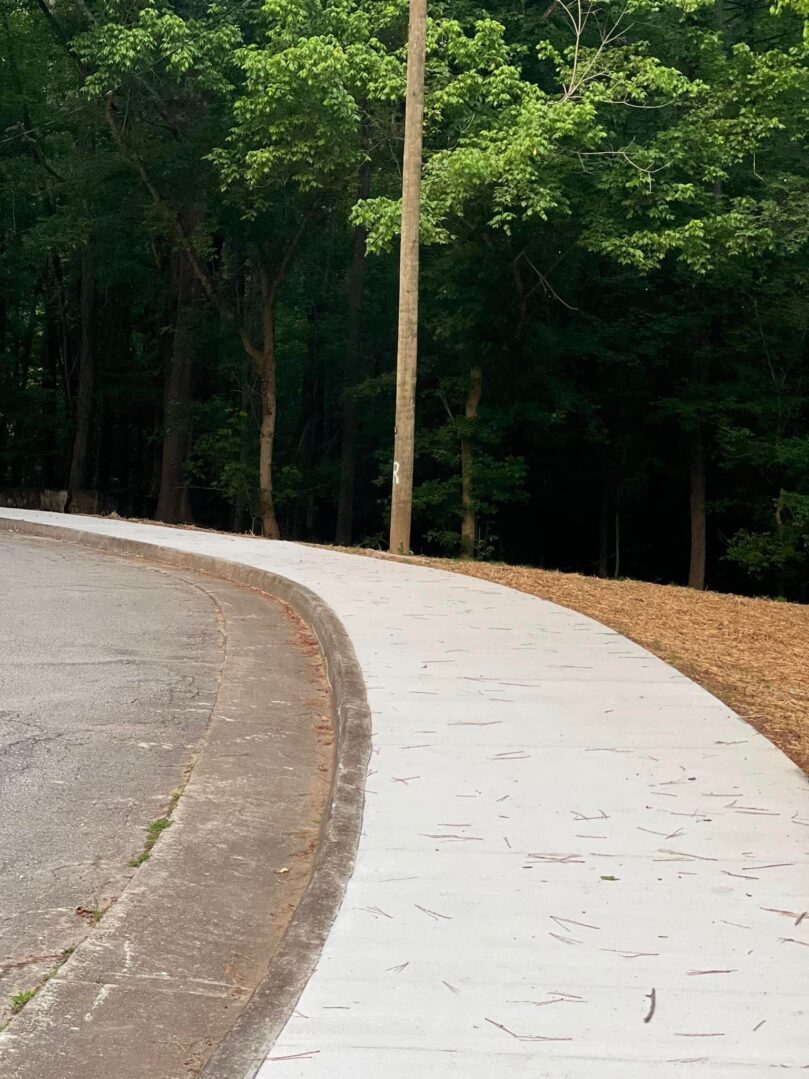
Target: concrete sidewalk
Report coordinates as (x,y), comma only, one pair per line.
(575,863)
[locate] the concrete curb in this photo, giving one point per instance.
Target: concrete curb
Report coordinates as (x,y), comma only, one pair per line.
(245,1047)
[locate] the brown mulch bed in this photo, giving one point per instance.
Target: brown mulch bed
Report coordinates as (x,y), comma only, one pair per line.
(751,653)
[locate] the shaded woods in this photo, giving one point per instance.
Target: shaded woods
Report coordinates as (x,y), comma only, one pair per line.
(198,242)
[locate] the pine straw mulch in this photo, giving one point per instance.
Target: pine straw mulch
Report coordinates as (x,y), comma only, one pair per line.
(753,654)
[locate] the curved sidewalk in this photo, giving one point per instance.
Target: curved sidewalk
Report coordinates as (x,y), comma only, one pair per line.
(575,863)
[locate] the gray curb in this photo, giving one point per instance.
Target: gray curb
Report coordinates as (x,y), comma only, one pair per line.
(264,1016)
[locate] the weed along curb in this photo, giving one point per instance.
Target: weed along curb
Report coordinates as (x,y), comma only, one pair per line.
(153,831)
(266,1012)
(19,1000)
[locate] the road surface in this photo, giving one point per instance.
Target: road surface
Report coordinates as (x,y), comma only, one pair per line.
(108,671)
(120,683)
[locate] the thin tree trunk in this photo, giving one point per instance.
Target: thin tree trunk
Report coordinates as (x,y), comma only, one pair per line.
(65,366)
(49,466)
(696,572)
(84,395)
(173,504)
(469,519)
(312,409)
(265,366)
(4,425)
(266,509)
(298,520)
(241,499)
(604,529)
(25,346)
(344,529)
(351,374)
(23,352)
(616,568)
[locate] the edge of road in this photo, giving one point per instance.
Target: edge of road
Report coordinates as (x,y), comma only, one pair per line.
(242,1051)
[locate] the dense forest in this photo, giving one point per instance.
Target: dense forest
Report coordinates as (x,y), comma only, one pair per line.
(199,214)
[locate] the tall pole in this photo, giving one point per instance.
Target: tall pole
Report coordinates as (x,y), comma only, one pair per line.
(407,350)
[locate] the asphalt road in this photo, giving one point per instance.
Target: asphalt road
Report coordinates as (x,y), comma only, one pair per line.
(120,681)
(108,674)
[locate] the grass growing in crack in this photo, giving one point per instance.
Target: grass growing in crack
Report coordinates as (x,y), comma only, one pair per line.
(19,1000)
(153,830)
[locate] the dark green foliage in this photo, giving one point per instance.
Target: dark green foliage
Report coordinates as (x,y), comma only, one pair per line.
(615,238)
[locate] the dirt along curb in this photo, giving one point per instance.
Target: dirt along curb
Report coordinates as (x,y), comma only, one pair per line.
(264,1015)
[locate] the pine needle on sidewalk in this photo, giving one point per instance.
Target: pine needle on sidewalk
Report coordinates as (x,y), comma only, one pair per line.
(753,654)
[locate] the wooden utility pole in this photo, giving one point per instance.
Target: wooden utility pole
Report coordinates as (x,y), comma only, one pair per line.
(407,351)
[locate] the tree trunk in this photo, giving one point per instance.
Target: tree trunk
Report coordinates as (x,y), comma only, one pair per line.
(301,523)
(352,375)
(616,566)
(263,361)
(64,351)
(84,395)
(173,505)
(604,529)
(266,510)
(696,572)
(50,465)
(468,518)
(4,424)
